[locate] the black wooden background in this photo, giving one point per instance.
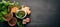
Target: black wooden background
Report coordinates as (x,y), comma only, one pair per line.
(44,13)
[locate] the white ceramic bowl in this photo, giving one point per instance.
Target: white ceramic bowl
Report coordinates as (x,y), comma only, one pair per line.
(23,16)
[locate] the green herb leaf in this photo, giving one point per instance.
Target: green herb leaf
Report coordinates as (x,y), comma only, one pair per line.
(20,24)
(0,14)
(15,3)
(1,19)
(2,0)
(4,12)
(7,3)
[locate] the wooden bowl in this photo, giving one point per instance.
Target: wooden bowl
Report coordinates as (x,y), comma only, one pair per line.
(12,22)
(7,17)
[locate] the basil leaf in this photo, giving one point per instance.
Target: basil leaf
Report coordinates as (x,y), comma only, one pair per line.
(0,14)
(1,19)
(15,3)
(7,3)
(20,24)
(4,12)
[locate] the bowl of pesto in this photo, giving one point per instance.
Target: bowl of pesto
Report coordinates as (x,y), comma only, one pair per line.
(21,14)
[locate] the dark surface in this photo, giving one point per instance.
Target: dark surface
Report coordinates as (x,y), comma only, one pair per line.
(44,13)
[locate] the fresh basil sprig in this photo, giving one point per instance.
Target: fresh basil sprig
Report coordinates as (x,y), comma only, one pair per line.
(4,10)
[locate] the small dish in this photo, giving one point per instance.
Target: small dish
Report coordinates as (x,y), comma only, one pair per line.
(23,14)
(12,22)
